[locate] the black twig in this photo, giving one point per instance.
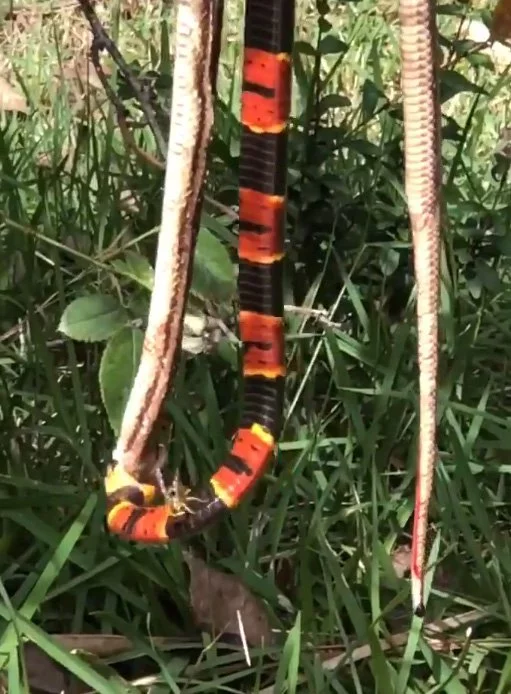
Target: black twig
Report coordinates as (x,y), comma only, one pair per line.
(102,41)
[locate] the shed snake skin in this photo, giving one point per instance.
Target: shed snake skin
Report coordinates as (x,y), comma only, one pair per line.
(423,182)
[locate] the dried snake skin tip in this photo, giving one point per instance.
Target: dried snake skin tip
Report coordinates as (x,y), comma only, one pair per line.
(420,610)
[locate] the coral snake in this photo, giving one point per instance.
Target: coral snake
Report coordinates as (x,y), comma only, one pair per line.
(266,92)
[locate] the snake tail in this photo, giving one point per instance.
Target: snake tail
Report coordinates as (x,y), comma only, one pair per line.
(423,186)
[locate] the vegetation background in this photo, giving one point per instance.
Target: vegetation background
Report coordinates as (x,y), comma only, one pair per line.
(324,540)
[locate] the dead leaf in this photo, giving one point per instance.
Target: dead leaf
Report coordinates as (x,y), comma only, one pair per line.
(129,202)
(83,71)
(500,29)
(217,598)
(401,560)
(45,675)
(11,99)
(84,88)
(285,575)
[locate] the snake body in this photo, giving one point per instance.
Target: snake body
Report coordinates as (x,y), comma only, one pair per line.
(423,181)
(269,26)
(262,200)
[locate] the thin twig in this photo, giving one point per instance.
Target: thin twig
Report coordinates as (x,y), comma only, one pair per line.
(104,42)
(319,314)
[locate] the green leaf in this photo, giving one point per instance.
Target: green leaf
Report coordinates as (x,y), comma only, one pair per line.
(332,45)
(332,101)
(92,318)
(137,268)
(322,7)
(364,147)
(372,99)
(481,61)
(287,673)
(505,676)
(304,48)
(324,25)
(213,270)
(117,372)
(453,83)
(488,276)
(474,286)
(503,244)
(389,260)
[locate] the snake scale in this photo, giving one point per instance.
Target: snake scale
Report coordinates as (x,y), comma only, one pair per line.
(266,95)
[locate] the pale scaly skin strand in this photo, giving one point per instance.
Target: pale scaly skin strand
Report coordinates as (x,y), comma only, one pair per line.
(423,181)
(190,128)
